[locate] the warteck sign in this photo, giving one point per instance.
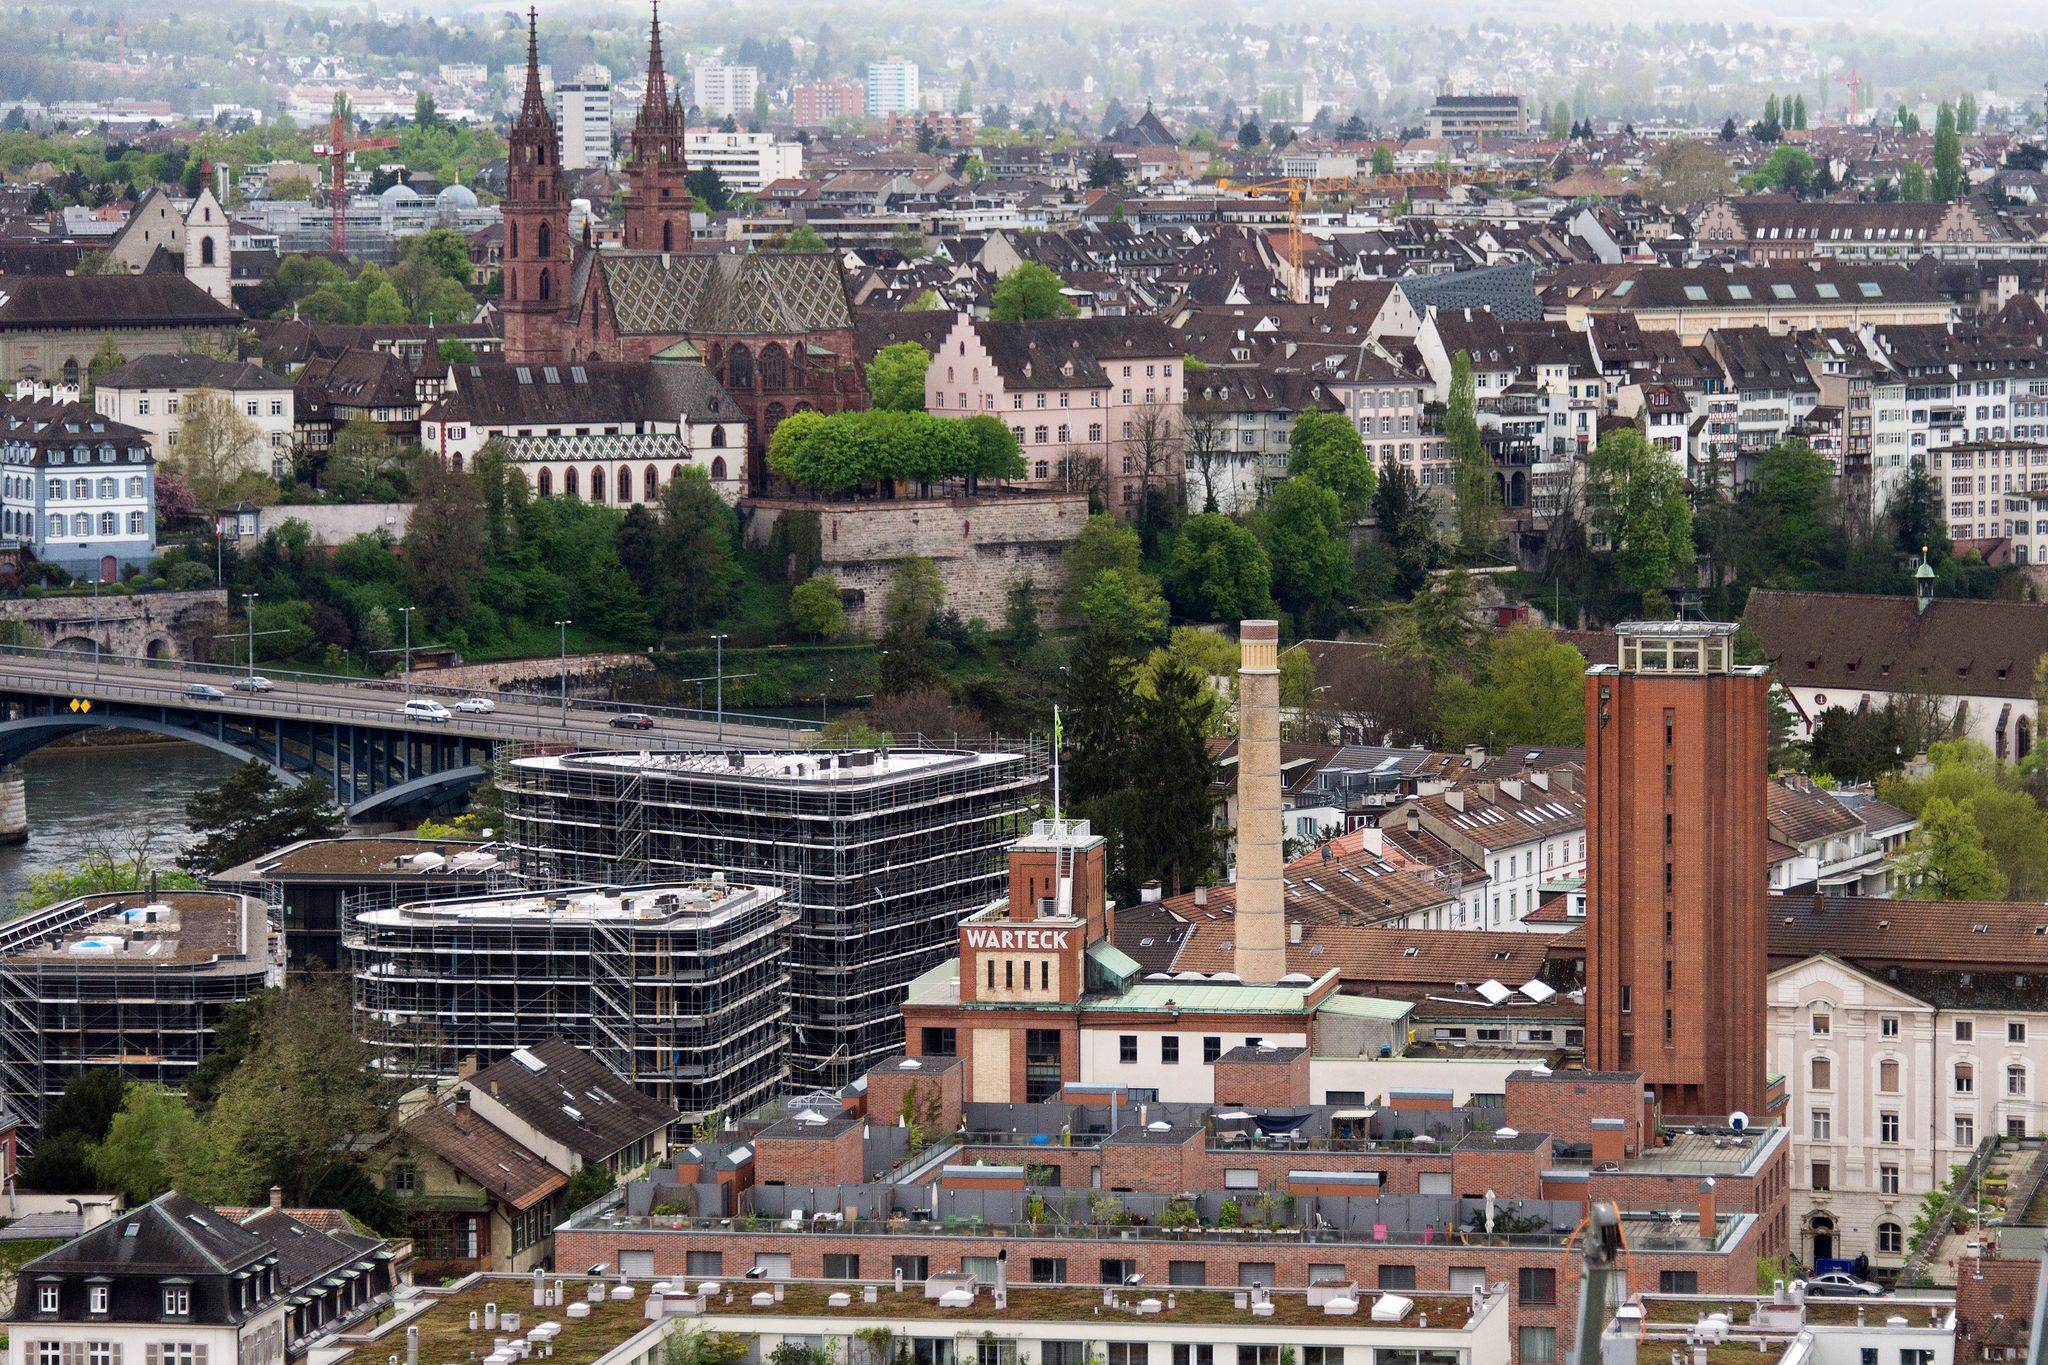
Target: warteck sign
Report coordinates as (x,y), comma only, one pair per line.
(1019,940)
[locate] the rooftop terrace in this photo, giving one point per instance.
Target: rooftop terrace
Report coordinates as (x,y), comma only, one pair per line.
(655,903)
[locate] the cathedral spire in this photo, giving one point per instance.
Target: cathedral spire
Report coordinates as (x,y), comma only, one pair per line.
(534,102)
(654,105)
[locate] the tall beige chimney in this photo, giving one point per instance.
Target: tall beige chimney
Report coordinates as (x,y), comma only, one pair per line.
(1261,929)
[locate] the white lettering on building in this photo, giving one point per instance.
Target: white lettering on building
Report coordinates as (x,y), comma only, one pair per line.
(1019,940)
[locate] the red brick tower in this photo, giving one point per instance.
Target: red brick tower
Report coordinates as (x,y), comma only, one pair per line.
(1676,741)
(658,197)
(536,212)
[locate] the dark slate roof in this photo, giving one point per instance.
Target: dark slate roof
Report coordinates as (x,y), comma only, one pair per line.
(1712,287)
(188,370)
(889,327)
(172,1235)
(595,391)
(356,379)
(1037,354)
(1854,642)
(108,301)
(760,294)
(306,1253)
(1506,291)
(541,1084)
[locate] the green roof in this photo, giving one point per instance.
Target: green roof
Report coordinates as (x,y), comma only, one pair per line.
(1207,997)
(1113,960)
(1366,1007)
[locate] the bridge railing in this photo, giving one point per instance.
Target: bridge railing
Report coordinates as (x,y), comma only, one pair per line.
(79,664)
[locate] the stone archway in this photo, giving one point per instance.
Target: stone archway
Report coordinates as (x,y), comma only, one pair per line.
(1821,1227)
(160,647)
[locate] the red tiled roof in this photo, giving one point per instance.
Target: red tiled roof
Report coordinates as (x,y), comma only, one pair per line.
(486,1154)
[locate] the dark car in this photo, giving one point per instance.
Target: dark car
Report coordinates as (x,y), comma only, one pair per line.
(632,720)
(204,692)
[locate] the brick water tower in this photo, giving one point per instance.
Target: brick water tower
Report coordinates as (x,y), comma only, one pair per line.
(1677,739)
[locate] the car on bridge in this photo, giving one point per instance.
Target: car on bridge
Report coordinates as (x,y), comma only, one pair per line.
(421,708)
(477,706)
(254,683)
(204,692)
(632,720)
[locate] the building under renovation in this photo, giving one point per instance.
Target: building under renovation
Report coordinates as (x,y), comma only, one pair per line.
(881,853)
(134,982)
(678,987)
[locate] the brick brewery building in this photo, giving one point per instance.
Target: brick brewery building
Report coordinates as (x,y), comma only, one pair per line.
(1056,1120)
(1677,909)
(775,328)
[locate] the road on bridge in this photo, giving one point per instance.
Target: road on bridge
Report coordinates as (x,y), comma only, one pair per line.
(519,718)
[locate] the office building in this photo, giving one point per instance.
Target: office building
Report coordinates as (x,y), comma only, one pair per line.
(719,90)
(1679,870)
(583,113)
(1476,116)
(893,88)
(135,982)
(677,987)
(746,162)
(879,854)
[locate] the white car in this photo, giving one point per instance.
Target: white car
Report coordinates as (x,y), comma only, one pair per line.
(254,684)
(481,706)
(420,708)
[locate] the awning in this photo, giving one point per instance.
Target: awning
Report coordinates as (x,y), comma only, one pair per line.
(1351,1114)
(1279,1123)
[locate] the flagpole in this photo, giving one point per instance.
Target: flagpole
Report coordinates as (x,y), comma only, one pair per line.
(1055,764)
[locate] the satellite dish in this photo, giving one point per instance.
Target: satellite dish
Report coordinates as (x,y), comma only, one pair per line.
(1738,1120)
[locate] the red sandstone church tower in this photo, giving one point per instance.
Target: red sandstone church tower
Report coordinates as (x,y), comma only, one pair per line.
(658,195)
(1676,741)
(536,212)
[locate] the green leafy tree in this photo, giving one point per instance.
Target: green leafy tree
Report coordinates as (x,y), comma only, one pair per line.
(1027,292)
(1533,692)
(1125,606)
(1918,514)
(1218,571)
(1797,487)
(698,572)
(1382,161)
(252,811)
(1106,542)
(815,608)
(104,362)
(1303,529)
(1175,839)
(444,543)
(1790,169)
(591,1183)
(805,238)
(1438,629)
(72,1126)
(1472,480)
(1407,526)
(383,307)
(148,1137)
(910,656)
(1326,448)
(1640,505)
(1948,181)
(896,377)
(1912,183)
(1946,858)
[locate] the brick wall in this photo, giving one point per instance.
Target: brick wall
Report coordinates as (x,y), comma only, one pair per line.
(889,1083)
(1263,1084)
(1564,1105)
(1145,1165)
(823,1160)
(1475,1171)
(980,545)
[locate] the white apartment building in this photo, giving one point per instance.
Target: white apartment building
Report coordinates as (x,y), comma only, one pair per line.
(1997,488)
(583,112)
(1524,833)
(746,162)
(1896,1073)
(719,90)
(893,88)
(152,392)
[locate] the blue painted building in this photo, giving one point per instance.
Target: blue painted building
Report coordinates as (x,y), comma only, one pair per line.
(77,489)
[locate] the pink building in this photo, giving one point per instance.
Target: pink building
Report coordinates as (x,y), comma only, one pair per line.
(820,102)
(1092,401)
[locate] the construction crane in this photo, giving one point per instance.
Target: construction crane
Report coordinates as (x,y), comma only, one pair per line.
(337,150)
(1855,84)
(1298,188)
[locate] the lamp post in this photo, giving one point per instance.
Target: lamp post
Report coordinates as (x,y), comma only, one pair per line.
(407,613)
(718,649)
(562,629)
(249,610)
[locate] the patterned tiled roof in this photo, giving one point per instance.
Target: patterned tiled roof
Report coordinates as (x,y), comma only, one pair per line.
(654,445)
(763,294)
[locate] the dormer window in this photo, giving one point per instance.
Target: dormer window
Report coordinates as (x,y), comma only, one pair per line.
(177,1301)
(96,1299)
(46,1298)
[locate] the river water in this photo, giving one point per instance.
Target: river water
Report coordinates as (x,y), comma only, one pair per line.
(82,798)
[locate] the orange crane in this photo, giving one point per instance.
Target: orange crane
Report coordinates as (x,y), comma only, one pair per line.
(1298,188)
(337,150)
(1855,84)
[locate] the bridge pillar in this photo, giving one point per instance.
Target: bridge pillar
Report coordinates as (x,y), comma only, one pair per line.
(13,806)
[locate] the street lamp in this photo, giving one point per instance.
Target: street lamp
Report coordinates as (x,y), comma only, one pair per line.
(718,646)
(562,628)
(407,613)
(249,610)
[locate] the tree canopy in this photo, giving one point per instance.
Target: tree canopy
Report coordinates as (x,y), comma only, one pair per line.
(1218,571)
(1639,501)
(1029,291)
(851,449)
(1325,447)
(896,377)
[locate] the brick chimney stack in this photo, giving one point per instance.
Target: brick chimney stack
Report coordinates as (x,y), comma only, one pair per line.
(1261,928)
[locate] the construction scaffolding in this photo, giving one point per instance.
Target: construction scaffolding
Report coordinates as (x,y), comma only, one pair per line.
(134,982)
(678,987)
(880,854)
